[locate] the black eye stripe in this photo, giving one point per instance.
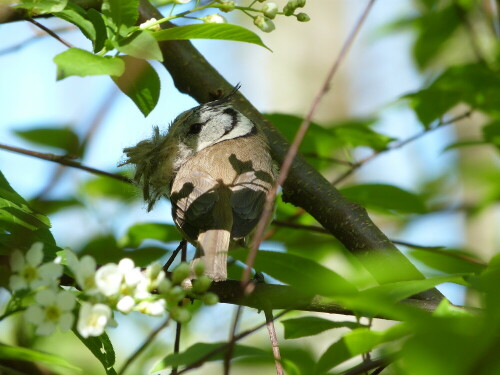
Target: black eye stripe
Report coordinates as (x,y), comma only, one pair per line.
(234,119)
(195,128)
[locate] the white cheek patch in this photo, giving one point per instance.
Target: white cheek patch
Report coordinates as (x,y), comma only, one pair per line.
(242,128)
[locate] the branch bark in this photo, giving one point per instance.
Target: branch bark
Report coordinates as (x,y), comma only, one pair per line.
(304,187)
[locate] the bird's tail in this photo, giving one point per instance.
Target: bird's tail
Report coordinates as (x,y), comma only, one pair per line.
(215,243)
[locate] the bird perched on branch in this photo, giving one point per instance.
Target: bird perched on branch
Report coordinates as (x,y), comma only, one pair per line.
(215,167)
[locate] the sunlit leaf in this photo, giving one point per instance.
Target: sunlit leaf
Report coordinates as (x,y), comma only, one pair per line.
(140,82)
(121,12)
(43,6)
(16,353)
(105,187)
(137,233)
(302,273)
(222,31)
(141,44)
(78,62)
(359,341)
(449,261)
(384,197)
(63,138)
(310,325)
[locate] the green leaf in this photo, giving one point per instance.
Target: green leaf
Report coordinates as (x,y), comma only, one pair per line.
(359,341)
(121,12)
(100,29)
(140,82)
(199,350)
(102,349)
(449,261)
(16,353)
(385,197)
(61,138)
(137,233)
(49,206)
(105,187)
(78,62)
(491,133)
(223,31)
(473,84)
(78,17)
(14,210)
(141,44)
(43,6)
(435,29)
(310,325)
(302,273)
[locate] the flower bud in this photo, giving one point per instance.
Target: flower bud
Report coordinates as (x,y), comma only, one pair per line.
(303,17)
(175,294)
(300,3)
(180,315)
(180,273)
(270,10)
(264,23)
(210,299)
(181,1)
(199,268)
(148,23)
(201,284)
(226,5)
(213,18)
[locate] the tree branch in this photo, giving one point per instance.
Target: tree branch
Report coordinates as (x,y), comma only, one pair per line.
(304,187)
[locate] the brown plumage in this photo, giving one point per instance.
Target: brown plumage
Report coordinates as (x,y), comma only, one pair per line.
(214,165)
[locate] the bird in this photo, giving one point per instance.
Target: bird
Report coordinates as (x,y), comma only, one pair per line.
(215,166)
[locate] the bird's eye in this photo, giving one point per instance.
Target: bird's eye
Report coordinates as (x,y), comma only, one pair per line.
(195,128)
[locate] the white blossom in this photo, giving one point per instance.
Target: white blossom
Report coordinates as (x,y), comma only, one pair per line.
(153,308)
(264,23)
(108,279)
(125,304)
(150,24)
(28,270)
(83,270)
(93,319)
(53,309)
(213,18)
(270,9)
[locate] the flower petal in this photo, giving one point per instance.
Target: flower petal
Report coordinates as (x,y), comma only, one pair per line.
(46,297)
(17,261)
(66,321)
(46,328)
(34,256)
(34,314)
(65,300)
(16,283)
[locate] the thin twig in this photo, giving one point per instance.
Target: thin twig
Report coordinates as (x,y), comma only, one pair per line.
(170,260)
(144,345)
(177,344)
(64,160)
(231,342)
(274,341)
(223,347)
(400,144)
(292,151)
(50,32)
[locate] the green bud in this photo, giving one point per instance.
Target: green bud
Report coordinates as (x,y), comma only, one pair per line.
(226,5)
(180,273)
(264,23)
(180,315)
(175,294)
(301,3)
(210,299)
(201,284)
(288,10)
(199,267)
(164,286)
(302,17)
(270,10)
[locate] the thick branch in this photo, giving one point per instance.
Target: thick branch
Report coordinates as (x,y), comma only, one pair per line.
(304,187)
